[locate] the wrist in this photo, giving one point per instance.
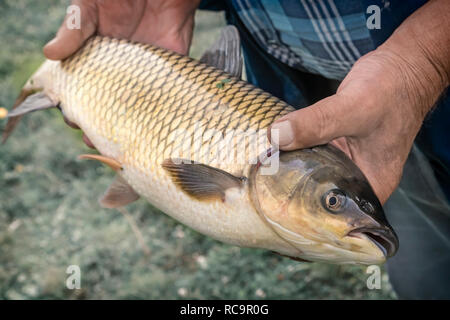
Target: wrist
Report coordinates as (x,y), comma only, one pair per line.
(419,51)
(419,75)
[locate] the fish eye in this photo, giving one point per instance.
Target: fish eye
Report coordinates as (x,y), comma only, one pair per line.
(334,200)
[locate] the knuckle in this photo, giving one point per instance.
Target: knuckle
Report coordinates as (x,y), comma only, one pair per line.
(325,123)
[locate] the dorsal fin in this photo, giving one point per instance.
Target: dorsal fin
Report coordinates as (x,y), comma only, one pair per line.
(225,53)
(200,181)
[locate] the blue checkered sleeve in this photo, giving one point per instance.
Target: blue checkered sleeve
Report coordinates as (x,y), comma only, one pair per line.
(324,37)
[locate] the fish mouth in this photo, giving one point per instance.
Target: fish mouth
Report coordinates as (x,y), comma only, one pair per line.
(384,238)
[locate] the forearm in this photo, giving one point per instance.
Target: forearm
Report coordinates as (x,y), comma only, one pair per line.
(421,49)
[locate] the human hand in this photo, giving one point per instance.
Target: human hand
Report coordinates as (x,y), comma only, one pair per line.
(378,108)
(165,23)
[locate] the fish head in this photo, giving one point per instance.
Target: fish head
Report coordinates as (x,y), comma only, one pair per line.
(320,203)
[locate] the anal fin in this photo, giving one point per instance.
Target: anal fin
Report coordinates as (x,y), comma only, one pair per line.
(119,194)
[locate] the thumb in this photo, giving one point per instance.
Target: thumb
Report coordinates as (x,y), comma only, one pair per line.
(69,40)
(317,124)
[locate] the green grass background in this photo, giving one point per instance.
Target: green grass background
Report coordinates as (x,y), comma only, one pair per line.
(50,218)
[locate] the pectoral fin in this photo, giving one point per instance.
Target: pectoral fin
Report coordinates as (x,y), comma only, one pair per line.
(113,164)
(200,181)
(119,194)
(225,53)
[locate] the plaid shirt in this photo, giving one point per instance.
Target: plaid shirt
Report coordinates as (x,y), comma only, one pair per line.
(324,37)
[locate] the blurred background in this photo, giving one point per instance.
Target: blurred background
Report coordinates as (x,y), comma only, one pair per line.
(50,218)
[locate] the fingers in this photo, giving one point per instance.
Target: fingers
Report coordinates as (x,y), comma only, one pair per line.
(88,142)
(70,123)
(69,40)
(317,124)
(73,125)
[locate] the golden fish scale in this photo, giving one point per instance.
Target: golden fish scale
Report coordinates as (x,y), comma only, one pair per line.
(155,104)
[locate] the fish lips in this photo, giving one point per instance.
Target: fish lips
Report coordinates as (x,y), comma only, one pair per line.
(384,238)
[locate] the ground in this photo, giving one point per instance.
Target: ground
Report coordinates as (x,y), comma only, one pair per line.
(50,218)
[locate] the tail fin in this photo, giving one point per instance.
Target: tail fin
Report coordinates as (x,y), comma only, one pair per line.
(30,99)
(12,122)
(26,102)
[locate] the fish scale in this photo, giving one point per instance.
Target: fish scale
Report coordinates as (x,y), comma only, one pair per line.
(174,84)
(131,100)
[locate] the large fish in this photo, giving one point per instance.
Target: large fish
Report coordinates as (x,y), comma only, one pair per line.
(191,139)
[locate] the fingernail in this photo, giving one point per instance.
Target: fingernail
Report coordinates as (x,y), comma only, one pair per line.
(47,49)
(285,132)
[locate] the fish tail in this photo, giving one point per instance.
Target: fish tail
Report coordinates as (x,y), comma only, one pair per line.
(31,98)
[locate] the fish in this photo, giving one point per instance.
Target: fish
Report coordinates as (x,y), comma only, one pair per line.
(190,137)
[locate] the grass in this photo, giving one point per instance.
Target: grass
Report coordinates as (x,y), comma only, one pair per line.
(50,218)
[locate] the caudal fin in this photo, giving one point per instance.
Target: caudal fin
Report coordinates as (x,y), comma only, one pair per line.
(28,101)
(31,98)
